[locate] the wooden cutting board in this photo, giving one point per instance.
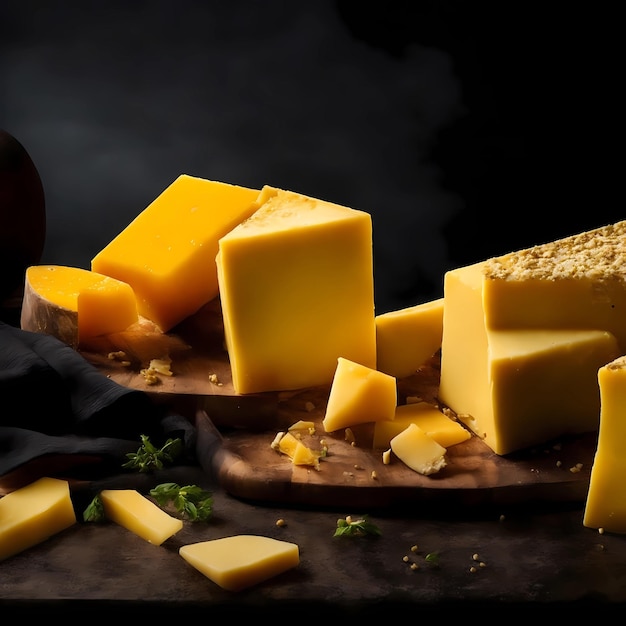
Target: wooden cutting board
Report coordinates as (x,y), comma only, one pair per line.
(236,432)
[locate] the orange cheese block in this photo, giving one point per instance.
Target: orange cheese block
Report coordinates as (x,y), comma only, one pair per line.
(167,253)
(74,304)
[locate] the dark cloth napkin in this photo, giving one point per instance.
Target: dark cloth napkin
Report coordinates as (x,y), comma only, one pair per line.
(54,402)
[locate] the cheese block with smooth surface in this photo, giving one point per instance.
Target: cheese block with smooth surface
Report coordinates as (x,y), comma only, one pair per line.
(167,253)
(296,288)
(75,304)
(418,450)
(605,505)
(359,394)
(34,513)
(241,561)
(408,337)
(135,512)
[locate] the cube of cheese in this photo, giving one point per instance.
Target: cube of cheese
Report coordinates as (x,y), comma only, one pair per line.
(444,430)
(359,394)
(74,304)
(407,338)
(167,253)
(133,511)
(418,450)
(34,513)
(606,498)
(241,561)
(296,288)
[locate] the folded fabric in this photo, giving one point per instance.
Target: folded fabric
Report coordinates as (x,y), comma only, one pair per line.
(57,403)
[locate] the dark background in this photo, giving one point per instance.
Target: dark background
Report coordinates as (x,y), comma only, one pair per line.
(465,129)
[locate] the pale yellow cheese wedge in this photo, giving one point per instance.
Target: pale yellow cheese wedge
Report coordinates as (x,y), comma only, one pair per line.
(359,394)
(444,430)
(298,452)
(519,387)
(74,304)
(418,450)
(167,253)
(33,514)
(133,511)
(407,338)
(241,561)
(606,498)
(296,287)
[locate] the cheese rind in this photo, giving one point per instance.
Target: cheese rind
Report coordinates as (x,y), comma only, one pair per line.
(74,304)
(135,512)
(407,338)
(34,513)
(418,450)
(241,561)
(605,505)
(359,394)
(167,253)
(296,288)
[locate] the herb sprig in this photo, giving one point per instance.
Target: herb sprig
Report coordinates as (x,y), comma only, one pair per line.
(349,527)
(190,501)
(149,458)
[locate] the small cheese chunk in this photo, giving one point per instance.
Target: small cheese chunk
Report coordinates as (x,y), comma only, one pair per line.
(33,514)
(445,431)
(418,451)
(241,561)
(167,253)
(407,338)
(606,498)
(296,288)
(298,452)
(133,511)
(74,304)
(359,394)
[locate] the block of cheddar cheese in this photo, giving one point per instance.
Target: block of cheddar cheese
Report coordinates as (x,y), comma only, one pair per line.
(296,288)
(605,505)
(75,304)
(167,253)
(34,513)
(408,337)
(241,561)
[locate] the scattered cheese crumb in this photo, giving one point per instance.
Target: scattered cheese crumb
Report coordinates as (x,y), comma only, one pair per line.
(349,435)
(275,445)
(387,457)
(374,475)
(213,379)
(405,559)
(281,522)
(414,566)
(414,548)
(576,468)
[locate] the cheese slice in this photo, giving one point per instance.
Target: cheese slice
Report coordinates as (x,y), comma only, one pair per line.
(444,430)
(606,498)
(407,338)
(418,450)
(241,561)
(296,288)
(34,513)
(298,452)
(359,394)
(167,253)
(74,304)
(133,511)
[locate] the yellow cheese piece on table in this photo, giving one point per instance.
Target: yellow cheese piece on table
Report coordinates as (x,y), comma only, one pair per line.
(296,288)
(167,253)
(298,452)
(135,512)
(606,498)
(407,338)
(359,394)
(241,561)
(418,450)
(75,304)
(444,430)
(34,513)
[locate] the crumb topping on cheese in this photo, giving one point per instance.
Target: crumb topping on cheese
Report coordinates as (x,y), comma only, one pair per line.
(598,255)
(617,364)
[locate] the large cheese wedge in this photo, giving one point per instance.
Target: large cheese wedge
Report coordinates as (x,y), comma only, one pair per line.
(74,304)
(167,253)
(33,514)
(606,499)
(296,288)
(241,561)
(444,430)
(517,388)
(418,450)
(407,338)
(359,394)
(133,511)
